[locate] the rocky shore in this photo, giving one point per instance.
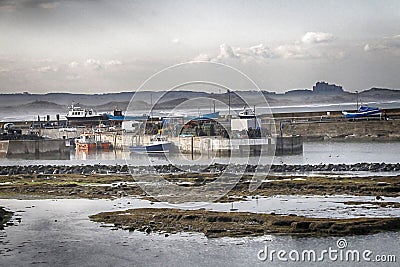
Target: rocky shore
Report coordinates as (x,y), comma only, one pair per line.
(5,216)
(120,169)
(236,224)
(102,181)
(121,185)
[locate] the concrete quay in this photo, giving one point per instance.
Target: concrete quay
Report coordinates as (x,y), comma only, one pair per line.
(34,148)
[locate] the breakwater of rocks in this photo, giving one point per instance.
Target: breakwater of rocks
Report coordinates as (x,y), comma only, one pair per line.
(4,217)
(214,168)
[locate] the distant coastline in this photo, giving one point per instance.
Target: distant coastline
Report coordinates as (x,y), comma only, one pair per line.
(322,93)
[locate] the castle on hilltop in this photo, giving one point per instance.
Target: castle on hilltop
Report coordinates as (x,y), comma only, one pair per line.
(327,89)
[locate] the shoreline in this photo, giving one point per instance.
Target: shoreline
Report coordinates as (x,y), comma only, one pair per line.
(5,216)
(214,168)
(115,186)
(213,223)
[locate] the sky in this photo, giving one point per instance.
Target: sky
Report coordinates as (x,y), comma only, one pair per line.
(99,46)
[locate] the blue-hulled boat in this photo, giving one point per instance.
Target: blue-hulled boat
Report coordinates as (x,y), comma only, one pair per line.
(207,116)
(363,111)
(158,144)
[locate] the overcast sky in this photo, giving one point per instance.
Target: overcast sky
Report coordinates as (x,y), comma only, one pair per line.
(97,46)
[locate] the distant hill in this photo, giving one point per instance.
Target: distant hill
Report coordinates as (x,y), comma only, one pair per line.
(322,93)
(108,107)
(170,104)
(380,93)
(39,105)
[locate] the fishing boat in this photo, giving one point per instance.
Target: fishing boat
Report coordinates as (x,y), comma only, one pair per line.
(88,141)
(247,113)
(78,116)
(206,116)
(363,111)
(158,144)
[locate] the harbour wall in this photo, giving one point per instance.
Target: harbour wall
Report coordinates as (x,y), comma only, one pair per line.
(211,146)
(10,148)
(359,129)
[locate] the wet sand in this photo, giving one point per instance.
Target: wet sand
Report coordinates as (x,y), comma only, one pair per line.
(219,224)
(237,224)
(114,186)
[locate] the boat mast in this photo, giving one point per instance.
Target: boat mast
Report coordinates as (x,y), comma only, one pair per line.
(214,105)
(357,99)
(229,101)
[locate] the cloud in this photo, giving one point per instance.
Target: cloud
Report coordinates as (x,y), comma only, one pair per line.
(317,37)
(112,63)
(46,69)
(176,40)
(17,4)
(73,77)
(49,5)
(306,48)
(260,51)
(391,43)
(93,64)
(256,52)
(4,70)
(202,57)
(295,50)
(226,52)
(73,64)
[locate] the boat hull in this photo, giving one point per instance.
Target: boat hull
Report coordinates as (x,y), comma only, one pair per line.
(247,116)
(152,148)
(369,113)
(92,120)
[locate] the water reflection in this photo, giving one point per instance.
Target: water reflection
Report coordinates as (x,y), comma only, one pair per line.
(314,153)
(59,233)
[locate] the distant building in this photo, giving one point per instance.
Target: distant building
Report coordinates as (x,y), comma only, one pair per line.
(327,89)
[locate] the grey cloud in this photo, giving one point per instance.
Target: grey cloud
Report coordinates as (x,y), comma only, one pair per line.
(317,37)
(95,64)
(46,69)
(13,4)
(391,43)
(307,48)
(44,4)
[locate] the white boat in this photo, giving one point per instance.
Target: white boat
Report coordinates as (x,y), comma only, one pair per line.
(78,115)
(247,113)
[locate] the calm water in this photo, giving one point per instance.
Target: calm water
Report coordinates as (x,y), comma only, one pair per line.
(59,233)
(314,153)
